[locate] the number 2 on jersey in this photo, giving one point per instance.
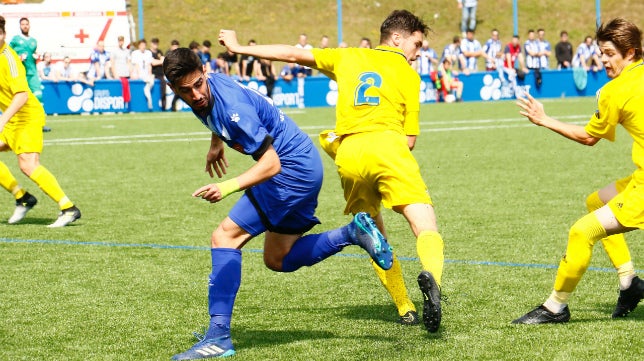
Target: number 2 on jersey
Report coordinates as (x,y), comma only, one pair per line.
(367,80)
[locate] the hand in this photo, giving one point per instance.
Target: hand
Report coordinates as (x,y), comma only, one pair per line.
(532,109)
(209,192)
(216,160)
(228,38)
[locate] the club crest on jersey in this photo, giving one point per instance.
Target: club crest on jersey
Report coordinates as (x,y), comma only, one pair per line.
(234,117)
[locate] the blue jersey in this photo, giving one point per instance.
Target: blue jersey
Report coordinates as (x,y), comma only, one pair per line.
(248,122)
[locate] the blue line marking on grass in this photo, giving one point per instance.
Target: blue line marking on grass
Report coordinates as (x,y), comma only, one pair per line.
(350,255)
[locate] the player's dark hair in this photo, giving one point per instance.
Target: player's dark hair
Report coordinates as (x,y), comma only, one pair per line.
(624,34)
(2,22)
(179,63)
(207,43)
(402,21)
(193,45)
(23,18)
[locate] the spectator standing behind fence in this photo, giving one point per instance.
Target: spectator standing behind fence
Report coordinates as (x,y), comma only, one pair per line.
(122,69)
(365,43)
(563,51)
(248,63)
(219,64)
(427,60)
(157,70)
(142,69)
(324,42)
(302,43)
(493,50)
(472,50)
(532,60)
(587,56)
(174,44)
(454,53)
(544,49)
(265,71)
(99,63)
(46,69)
(514,64)
(468,14)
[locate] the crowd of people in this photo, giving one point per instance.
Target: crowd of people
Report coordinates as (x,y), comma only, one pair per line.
(464,55)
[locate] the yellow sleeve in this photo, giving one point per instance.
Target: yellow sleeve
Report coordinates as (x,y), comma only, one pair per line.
(411,125)
(325,60)
(603,123)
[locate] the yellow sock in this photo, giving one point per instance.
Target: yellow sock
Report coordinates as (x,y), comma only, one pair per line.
(9,182)
(581,239)
(429,246)
(394,283)
(615,245)
(48,183)
(626,273)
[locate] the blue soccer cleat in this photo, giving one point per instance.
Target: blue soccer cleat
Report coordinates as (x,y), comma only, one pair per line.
(366,235)
(208,348)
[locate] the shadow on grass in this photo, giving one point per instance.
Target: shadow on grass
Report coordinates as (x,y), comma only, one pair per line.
(386,314)
(34,221)
(247,338)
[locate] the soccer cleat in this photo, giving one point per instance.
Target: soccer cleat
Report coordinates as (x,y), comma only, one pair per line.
(23,205)
(431,301)
(629,298)
(542,315)
(208,348)
(66,217)
(366,235)
(410,318)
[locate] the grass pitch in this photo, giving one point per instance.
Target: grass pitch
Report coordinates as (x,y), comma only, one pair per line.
(128,280)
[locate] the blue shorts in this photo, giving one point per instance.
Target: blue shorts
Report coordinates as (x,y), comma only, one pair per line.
(285,203)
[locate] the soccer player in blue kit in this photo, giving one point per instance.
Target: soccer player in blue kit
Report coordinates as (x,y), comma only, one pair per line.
(280,192)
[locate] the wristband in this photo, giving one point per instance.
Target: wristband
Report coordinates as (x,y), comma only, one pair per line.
(228,187)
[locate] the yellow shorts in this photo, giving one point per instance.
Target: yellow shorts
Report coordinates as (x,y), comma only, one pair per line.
(23,138)
(378,167)
(628,204)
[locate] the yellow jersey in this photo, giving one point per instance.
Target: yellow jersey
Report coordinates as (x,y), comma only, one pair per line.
(377,89)
(13,79)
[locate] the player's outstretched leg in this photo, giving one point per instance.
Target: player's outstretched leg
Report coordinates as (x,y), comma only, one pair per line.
(23,205)
(432,313)
(365,234)
(629,298)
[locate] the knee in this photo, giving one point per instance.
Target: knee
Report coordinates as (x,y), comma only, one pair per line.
(27,167)
(584,233)
(273,263)
(225,238)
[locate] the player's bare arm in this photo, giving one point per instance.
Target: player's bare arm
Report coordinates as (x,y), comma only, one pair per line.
(285,53)
(216,159)
(533,110)
(266,167)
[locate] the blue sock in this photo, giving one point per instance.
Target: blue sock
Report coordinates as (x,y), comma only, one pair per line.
(222,289)
(314,248)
